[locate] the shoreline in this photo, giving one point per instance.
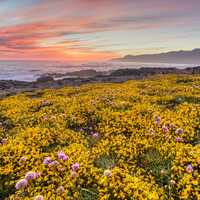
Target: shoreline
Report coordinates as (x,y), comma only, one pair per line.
(77,78)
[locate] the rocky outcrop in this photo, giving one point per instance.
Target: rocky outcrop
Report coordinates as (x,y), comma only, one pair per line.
(76,74)
(10,87)
(44,79)
(85,73)
(193,70)
(5,85)
(146,71)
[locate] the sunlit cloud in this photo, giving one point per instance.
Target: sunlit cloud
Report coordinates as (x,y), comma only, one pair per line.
(93,29)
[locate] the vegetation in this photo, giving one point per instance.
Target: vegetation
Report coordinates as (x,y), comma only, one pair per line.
(136,140)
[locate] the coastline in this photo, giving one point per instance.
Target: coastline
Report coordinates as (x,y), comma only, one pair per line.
(77,78)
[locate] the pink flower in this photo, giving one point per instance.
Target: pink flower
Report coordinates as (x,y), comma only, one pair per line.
(189,168)
(179,131)
(157,120)
(62,156)
(21,184)
(165,129)
(95,135)
(53,163)
(47,160)
(32,175)
(37,174)
(178,139)
(75,167)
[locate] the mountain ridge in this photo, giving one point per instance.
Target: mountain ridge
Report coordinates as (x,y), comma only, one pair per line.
(179,57)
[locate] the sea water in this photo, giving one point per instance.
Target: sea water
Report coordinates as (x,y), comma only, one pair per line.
(31,70)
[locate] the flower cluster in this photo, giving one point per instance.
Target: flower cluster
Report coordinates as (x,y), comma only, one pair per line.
(62,156)
(134,140)
(28,177)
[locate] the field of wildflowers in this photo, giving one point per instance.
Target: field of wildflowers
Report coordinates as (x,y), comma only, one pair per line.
(135,140)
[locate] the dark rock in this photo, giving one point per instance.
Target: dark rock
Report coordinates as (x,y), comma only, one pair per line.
(84,73)
(146,71)
(9,87)
(7,84)
(44,79)
(193,70)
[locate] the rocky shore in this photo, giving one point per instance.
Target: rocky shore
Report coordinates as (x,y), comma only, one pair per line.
(10,87)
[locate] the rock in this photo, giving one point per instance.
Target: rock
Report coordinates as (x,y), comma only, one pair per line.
(193,70)
(9,87)
(84,73)
(9,84)
(146,71)
(44,79)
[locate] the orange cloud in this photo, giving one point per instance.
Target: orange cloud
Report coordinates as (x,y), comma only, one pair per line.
(67,29)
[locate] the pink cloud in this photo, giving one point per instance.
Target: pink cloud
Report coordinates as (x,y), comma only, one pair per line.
(48,27)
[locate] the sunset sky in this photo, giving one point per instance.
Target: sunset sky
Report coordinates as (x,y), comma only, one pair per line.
(96,29)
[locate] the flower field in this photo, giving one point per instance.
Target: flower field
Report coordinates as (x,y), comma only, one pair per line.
(134,140)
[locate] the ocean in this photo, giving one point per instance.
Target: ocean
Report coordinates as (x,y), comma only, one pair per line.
(31,70)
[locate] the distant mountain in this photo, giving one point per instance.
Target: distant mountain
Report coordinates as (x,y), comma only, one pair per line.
(178,57)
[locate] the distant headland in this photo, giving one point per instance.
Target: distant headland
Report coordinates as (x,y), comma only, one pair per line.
(179,57)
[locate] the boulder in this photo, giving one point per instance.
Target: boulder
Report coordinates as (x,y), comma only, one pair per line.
(44,79)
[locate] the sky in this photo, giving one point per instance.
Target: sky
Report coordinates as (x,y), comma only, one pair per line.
(93,30)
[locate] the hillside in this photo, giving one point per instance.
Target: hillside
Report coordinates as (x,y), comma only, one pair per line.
(181,57)
(134,140)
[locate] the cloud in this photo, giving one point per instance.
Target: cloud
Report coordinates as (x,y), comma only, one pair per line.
(60,27)
(38,41)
